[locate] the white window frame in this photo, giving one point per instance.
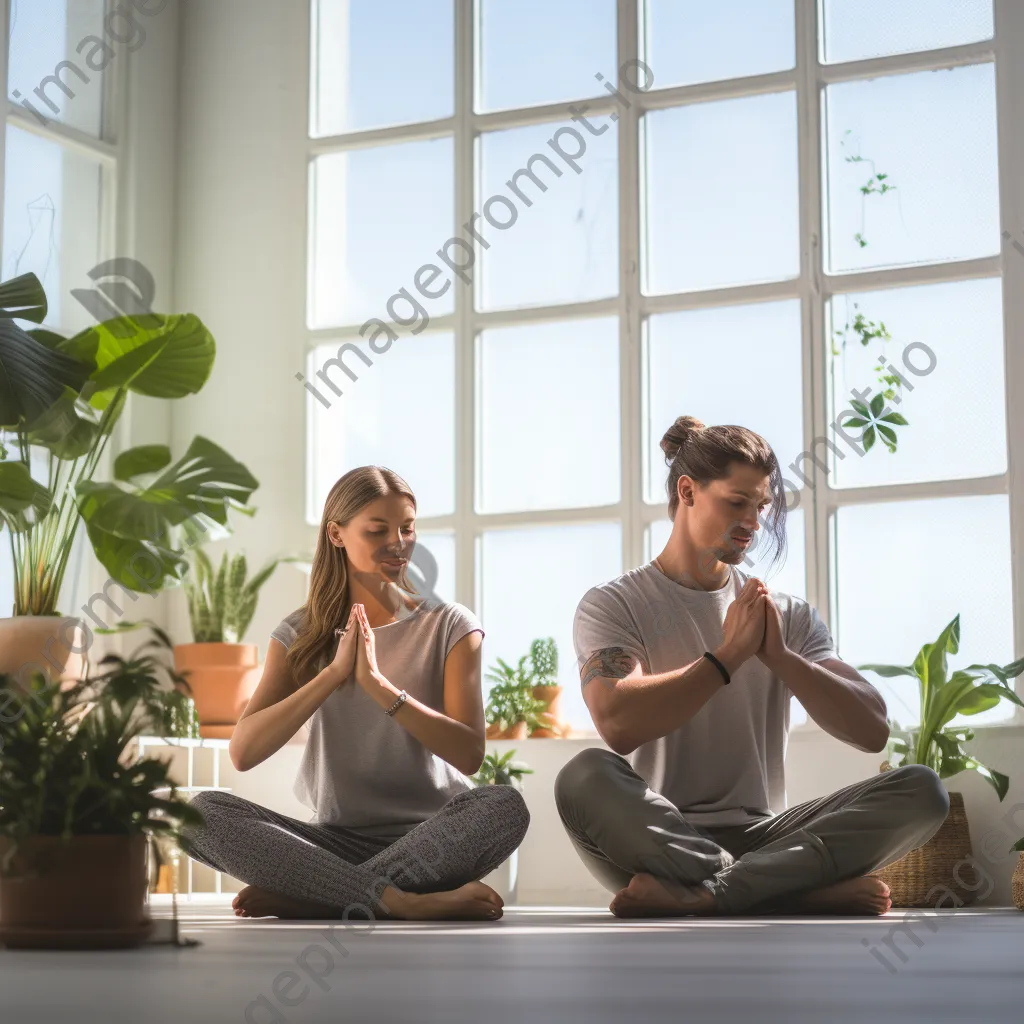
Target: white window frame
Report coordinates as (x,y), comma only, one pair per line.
(814,288)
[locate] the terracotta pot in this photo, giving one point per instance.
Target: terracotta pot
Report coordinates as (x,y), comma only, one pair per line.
(1017,883)
(87,894)
(54,644)
(516,732)
(222,677)
(552,696)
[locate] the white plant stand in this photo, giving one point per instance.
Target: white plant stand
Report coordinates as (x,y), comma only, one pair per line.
(218,750)
(504,879)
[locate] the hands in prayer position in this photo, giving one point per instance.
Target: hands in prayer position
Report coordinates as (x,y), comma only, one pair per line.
(753,625)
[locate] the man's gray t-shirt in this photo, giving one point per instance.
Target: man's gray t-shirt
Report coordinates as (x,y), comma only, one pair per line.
(726,766)
(363,769)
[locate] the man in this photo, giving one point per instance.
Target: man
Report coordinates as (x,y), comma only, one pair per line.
(695,822)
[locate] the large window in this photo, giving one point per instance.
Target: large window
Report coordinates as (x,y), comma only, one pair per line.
(539,232)
(59,165)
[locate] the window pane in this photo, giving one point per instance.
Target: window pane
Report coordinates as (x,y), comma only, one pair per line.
(47,33)
(686,351)
(721,199)
(433,563)
(518,606)
(353,83)
(377,216)
(932,134)
(549,414)
(929,328)
(399,413)
(568,42)
(562,241)
(691,41)
(51,222)
(789,578)
(889,607)
(857,29)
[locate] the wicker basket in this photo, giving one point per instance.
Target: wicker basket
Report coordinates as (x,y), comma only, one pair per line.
(914,876)
(1017,884)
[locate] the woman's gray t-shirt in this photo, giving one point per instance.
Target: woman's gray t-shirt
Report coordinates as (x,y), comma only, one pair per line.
(362,768)
(726,765)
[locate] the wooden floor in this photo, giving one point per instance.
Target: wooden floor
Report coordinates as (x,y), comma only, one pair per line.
(540,965)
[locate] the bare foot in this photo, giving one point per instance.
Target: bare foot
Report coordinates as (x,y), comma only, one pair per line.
(864,895)
(646,896)
(472,901)
(252,901)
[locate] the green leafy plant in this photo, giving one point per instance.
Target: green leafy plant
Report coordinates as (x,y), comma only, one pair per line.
(1019,845)
(500,770)
(869,416)
(66,765)
(877,184)
(61,398)
(510,703)
(967,691)
(511,699)
(222,602)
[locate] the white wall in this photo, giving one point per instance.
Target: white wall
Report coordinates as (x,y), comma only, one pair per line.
(240,265)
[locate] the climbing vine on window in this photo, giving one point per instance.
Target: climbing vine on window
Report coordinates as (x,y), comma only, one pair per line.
(869,415)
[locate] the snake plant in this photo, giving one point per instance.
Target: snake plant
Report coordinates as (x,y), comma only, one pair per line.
(222,602)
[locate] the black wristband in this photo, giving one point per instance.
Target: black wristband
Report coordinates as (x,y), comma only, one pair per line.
(721,667)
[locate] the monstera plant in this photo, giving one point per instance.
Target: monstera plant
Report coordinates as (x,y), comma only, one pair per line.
(60,400)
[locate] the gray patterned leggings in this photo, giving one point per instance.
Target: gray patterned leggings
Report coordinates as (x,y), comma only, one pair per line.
(347,868)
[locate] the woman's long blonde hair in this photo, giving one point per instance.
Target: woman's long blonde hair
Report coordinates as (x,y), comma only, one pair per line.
(327,604)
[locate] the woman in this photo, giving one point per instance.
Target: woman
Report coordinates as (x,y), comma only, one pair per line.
(397,723)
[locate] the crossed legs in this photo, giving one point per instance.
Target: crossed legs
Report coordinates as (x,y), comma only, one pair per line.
(810,858)
(307,870)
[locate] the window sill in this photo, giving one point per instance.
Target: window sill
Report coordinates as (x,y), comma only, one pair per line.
(590,737)
(811,728)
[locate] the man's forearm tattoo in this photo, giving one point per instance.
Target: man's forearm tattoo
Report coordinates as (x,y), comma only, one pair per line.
(609,663)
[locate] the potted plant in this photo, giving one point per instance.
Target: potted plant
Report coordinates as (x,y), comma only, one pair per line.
(938,745)
(501,770)
(512,709)
(1017,882)
(77,808)
(222,671)
(61,398)
(544,659)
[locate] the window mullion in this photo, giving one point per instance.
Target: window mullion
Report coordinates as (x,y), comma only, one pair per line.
(631,405)
(466,418)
